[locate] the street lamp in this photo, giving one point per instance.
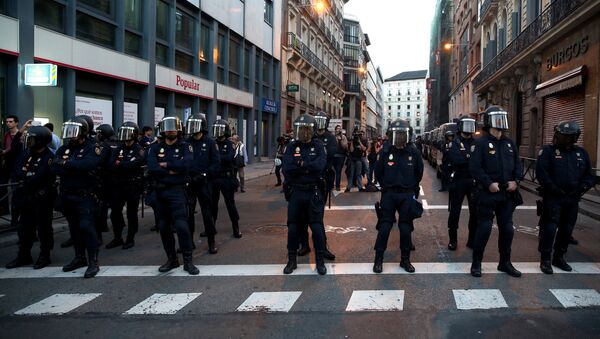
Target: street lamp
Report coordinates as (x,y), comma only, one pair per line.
(318,6)
(448,46)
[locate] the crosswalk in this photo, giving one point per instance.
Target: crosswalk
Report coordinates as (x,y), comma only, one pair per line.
(284,301)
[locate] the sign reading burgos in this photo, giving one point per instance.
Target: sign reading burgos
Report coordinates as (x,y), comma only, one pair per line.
(185,84)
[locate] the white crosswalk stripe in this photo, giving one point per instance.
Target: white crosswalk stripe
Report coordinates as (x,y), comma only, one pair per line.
(163,303)
(269,302)
(577,298)
(373,300)
(58,304)
(426,206)
(483,299)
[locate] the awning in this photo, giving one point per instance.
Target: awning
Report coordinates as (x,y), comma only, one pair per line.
(562,82)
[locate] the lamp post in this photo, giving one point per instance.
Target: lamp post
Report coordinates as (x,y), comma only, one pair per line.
(318,6)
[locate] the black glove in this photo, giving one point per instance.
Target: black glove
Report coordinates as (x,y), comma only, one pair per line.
(60,162)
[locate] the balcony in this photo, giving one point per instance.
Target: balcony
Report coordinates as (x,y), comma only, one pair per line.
(351,39)
(352,88)
(293,42)
(314,16)
(351,62)
(488,8)
(550,18)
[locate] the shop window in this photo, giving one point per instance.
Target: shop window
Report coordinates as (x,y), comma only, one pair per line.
(184,30)
(105,7)
(49,14)
(133,44)
(162,20)
(184,62)
(205,53)
(133,14)
(95,30)
(162,52)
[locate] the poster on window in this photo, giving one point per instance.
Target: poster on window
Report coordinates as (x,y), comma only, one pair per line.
(130,112)
(159,113)
(99,109)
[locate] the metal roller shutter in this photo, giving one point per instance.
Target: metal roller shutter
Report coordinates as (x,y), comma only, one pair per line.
(567,105)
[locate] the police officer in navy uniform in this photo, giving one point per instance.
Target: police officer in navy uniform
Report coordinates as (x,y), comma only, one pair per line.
(461,181)
(564,172)
(204,168)
(105,135)
(399,170)
(225,182)
(446,165)
(496,168)
(304,162)
(328,177)
(75,163)
(125,170)
(168,164)
(35,195)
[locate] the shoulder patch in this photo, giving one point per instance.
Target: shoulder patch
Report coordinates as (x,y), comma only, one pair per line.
(50,161)
(472,148)
(540,152)
(191,148)
(98,150)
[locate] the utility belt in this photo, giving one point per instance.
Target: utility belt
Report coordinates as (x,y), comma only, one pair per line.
(226,174)
(79,192)
(198,178)
(161,186)
(397,190)
(306,187)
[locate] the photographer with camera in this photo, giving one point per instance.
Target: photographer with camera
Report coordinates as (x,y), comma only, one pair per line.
(357,150)
(340,155)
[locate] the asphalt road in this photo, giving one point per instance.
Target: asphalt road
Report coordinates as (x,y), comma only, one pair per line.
(242,293)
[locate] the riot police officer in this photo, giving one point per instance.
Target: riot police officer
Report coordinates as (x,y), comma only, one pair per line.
(461,181)
(399,170)
(225,182)
(564,172)
(204,168)
(35,194)
(496,168)
(125,170)
(168,164)
(105,140)
(75,163)
(303,164)
(446,165)
(328,178)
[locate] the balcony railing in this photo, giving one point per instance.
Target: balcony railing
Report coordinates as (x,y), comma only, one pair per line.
(352,88)
(294,42)
(351,62)
(314,15)
(485,7)
(351,39)
(552,16)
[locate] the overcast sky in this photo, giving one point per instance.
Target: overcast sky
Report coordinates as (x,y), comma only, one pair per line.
(398,30)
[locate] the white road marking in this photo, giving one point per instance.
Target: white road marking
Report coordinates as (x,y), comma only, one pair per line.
(421,192)
(426,206)
(269,302)
(163,303)
(58,304)
(577,298)
(384,300)
(479,299)
(303,269)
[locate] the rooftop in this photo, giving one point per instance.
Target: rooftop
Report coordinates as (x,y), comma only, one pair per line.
(410,75)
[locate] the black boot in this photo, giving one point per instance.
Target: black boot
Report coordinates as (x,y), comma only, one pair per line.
(291,264)
(188,265)
(476,265)
(67,243)
(172,262)
(452,245)
(405,262)
(546,266)
(560,262)
(116,242)
(319,260)
(212,248)
(327,254)
(573,241)
(506,266)
(203,234)
(304,250)
(128,244)
(42,261)
(378,265)
(77,262)
(236,230)
(22,259)
(93,267)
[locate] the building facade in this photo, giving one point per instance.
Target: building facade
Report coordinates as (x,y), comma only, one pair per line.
(406,98)
(541,61)
(312,53)
(465,59)
(135,60)
(356,58)
(374,107)
(438,79)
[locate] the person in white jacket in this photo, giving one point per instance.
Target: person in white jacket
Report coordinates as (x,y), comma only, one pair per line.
(240,160)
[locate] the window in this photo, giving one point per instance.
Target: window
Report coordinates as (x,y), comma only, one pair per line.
(407,106)
(407,114)
(407,98)
(133,44)
(3,6)
(266,70)
(184,62)
(234,63)
(418,122)
(418,98)
(162,20)
(247,68)
(269,12)
(389,108)
(49,14)
(162,52)
(184,30)
(133,14)
(399,107)
(205,53)
(398,115)
(95,30)
(222,43)
(418,106)
(104,6)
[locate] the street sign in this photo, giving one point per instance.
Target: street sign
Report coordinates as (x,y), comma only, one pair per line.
(40,74)
(292,88)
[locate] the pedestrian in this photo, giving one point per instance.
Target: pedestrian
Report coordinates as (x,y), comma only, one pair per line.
(399,170)
(356,149)
(126,172)
(564,172)
(461,182)
(373,150)
(75,163)
(225,183)
(10,154)
(36,193)
(303,164)
(203,170)
(55,143)
(339,158)
(147,137)
(495,166)
(168,164)
(240,160)
(278,158)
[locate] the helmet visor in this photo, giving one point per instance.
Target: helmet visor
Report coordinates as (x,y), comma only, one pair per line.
(467,125)
(400,136)
(29,140)
(71,130)
(194,126)
(126,133)
(219,130)
(321,122)
(304,131)
(499,120)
